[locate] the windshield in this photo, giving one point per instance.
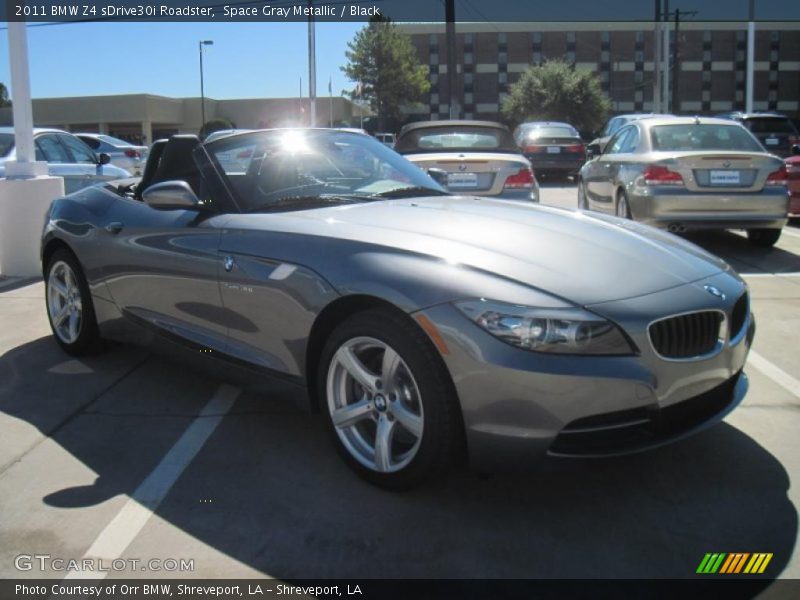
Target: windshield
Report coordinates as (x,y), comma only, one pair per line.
(6,143)
(295,168)
(770,125)
(613,126)
(698,137)
(113,141)
(552,132)
(456,139)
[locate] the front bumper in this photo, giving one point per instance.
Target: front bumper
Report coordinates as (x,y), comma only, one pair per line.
(519,405)
(663,207)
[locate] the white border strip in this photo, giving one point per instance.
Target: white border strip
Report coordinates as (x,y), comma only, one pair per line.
(124,528)
(778,375)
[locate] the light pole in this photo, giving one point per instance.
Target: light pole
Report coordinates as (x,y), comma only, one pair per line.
(200,45)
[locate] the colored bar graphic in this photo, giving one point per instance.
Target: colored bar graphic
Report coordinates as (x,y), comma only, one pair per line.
(730,563)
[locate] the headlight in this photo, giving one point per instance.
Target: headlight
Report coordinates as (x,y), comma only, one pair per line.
(552,330)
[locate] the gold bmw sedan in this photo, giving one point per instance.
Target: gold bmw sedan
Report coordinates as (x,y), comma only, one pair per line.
(687,173)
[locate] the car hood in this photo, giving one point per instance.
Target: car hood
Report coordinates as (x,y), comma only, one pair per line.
(582,257)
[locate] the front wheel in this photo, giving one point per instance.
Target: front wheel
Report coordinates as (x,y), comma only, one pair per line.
(765,238)
(388,400)
(582,203)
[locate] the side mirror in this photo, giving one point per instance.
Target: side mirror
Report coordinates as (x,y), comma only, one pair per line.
(593,150)
(439,176)
(796,149)
(171,195)
(104,158)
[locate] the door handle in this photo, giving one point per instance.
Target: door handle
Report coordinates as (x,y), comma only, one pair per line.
(229,262)
(114,228)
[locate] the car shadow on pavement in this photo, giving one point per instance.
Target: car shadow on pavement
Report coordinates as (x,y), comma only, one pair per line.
(743,256)
(268,489)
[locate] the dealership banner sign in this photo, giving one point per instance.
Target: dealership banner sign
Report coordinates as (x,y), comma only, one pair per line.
(397,10)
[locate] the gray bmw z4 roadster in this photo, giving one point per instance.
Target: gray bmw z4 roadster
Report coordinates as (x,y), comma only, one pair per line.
(424,326)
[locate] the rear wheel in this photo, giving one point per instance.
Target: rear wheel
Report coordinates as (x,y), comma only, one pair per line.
(69,305)
(623,210)
(765,238)
(388,403)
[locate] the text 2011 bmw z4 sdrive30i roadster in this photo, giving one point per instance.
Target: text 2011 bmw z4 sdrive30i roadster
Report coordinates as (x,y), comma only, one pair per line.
(423,325)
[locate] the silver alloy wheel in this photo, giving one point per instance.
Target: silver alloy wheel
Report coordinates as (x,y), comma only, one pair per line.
(375,404)
(622,206)
(64,304)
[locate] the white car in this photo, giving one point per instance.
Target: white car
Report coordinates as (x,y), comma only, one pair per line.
(66,156)
(123,154)
(387,139)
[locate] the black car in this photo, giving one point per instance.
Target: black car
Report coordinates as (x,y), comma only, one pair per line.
(553,148)
(775,131)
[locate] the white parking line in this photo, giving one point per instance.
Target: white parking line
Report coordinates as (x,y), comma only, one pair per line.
(778,375)
(791,232)
(123,528)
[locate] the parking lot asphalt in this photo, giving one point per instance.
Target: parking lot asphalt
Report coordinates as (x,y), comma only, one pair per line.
(127,455)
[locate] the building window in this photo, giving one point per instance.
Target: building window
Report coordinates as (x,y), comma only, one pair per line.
(537,58)
(502,57)
(468,98)
(570,57)
(706,55)
(640,37)
(536,36)
(773,56)
(706,76)
(605,37)
(638,76)
(434,98)
(468,78)
(570,37)
(774,36)
(604,56)
(502,38)
(433,40)
(434,78)
(468,58)
(435,59)
(467,38)
(502,78)
(638,56)
(707,36)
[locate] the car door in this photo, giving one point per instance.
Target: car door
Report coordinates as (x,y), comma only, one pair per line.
(82,155)
(270,301)
(601,172)
(162,269)
(59,161)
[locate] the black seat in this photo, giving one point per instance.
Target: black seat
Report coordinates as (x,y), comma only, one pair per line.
(153,160)
(176,163)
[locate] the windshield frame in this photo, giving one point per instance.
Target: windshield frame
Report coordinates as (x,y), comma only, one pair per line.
(417,178)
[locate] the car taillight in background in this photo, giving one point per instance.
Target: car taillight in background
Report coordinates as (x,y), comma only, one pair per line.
(779,177)
(576,149)
(131,153)
(533,149)
(658,175)
(793,139)
(523,179)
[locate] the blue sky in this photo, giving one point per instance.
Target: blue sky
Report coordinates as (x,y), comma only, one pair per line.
(247,59)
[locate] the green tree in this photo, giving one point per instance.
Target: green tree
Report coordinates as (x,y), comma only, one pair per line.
(216,124)
(557,91)
(384,63)
(4,99)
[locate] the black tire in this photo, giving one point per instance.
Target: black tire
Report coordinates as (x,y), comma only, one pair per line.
(440,443)
(622,197)
(763,238)
(88,338)
(583,204)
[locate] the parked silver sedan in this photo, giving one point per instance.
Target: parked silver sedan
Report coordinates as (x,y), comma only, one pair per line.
(123,154)
(683,173)
(470,157)
(66,157)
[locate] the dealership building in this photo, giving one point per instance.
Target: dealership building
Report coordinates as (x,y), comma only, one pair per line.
(145,117)
(712,74)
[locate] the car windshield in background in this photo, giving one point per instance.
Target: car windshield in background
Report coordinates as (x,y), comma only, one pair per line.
(113,141)
(770,125)
(701,137)
(6,143)
(613,126)
(552,132)
(293,169)
(457,139)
